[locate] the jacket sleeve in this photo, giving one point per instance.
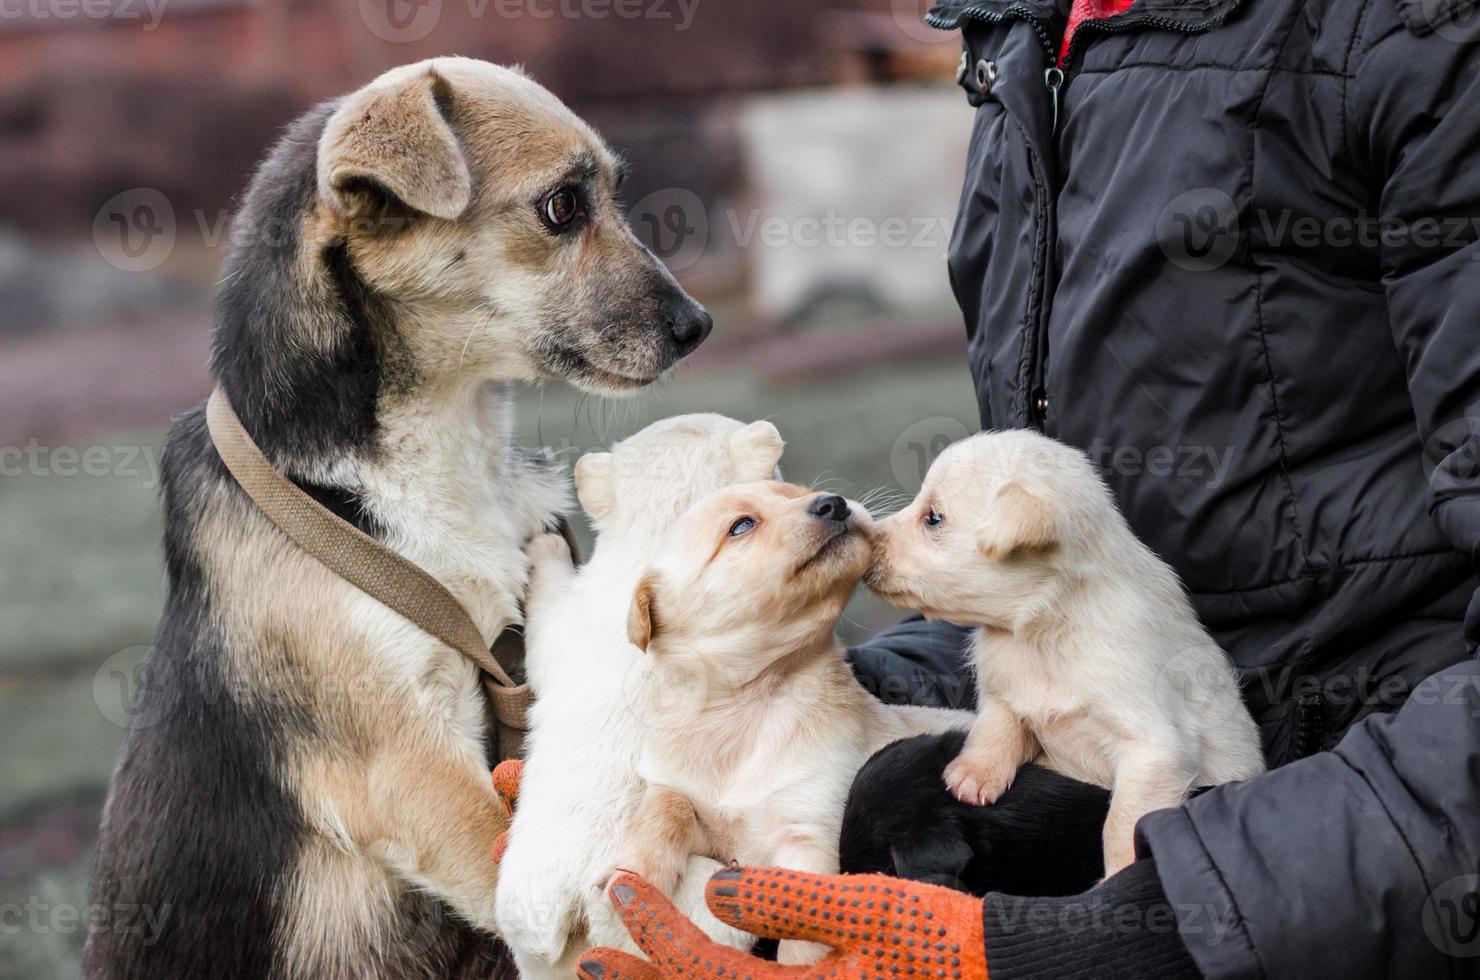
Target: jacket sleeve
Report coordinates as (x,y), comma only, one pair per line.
(1361,862)
(1351,863)
(918,661)
(1413,127)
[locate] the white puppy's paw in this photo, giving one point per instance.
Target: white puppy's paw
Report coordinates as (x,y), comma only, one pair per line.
(976,781)
(535,929)
(795,952)
(551,549)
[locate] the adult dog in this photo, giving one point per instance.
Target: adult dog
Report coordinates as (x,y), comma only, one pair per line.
(305,789)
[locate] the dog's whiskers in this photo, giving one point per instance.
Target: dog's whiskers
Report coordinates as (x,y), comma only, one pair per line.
(476,327)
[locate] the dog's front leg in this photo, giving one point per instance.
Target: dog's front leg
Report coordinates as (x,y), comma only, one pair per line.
(661,836)
(996,746)
(440,820)
(1143,783)
(550,571)
(812,857)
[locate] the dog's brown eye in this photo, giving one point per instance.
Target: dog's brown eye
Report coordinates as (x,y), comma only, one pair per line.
(561,208)
(933,519)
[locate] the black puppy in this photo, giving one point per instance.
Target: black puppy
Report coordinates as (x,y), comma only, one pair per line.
(1041,837)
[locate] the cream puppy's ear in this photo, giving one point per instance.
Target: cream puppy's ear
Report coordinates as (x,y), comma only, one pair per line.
(595,485)
(1018,520)
(642,618)
(756,451)
(394,137)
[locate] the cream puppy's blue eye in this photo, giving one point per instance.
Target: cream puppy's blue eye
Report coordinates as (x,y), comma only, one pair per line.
(743,526)
(933,519)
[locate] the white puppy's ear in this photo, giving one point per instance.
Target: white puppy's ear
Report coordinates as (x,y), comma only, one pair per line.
(596,485)
(394,139)
(642,618)
(756,451)
(1017,521)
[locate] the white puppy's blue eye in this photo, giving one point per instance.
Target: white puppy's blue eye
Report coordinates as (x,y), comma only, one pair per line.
(933,519)
(743,526)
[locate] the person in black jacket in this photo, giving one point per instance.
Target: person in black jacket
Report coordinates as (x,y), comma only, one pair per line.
(1231,248)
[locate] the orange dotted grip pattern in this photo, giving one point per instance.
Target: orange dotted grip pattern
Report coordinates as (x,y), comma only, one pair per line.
(878,927)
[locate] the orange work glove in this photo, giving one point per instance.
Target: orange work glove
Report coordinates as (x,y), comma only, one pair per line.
(878,927)
(506,777)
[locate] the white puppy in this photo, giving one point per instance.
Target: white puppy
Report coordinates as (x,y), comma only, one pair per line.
(765,726)
(580,783)
(1087,646)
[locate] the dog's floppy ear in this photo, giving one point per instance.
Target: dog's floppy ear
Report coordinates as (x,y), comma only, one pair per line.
(1018,520)
(394,138)
(642,618)
(596,485)
(756,451)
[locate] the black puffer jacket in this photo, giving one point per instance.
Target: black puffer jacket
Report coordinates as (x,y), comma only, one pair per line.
(1231,250)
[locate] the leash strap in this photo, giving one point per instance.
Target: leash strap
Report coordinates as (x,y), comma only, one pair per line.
(368,565)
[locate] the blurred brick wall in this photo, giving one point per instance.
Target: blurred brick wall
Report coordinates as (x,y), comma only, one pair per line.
(184,95)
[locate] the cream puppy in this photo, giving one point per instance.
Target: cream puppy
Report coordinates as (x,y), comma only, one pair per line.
(1087,647)
(765,724)
(580,783)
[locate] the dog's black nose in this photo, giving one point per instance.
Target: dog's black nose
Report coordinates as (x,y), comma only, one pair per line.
(830,508)
(690,327)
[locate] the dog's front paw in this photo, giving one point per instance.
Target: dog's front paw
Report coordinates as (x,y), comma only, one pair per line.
(977,782)
(660,872)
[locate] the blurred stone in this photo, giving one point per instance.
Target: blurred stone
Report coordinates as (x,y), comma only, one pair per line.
(852,194)
(47,286)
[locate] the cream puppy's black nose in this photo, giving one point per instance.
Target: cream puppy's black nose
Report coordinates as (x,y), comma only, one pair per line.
(830,508)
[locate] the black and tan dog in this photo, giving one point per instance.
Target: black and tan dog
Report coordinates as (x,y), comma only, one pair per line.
(305,790)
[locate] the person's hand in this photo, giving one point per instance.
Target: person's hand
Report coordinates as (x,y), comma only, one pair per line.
(876,925)
(506,777)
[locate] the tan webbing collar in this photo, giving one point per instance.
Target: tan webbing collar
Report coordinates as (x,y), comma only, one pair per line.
(367,564)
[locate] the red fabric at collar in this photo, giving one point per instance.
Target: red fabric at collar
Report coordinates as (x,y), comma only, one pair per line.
(1088,10)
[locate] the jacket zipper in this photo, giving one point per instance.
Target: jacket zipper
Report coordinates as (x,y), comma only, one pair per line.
(1054,79)
(1133,21)
(1016,11)
(1032,386)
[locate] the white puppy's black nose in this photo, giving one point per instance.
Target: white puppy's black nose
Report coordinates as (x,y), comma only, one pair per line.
(830,507)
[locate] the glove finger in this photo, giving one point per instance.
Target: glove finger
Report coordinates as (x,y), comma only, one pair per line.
(676,946)
(605,963)
(500,846)
(846,912)
(506,778)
